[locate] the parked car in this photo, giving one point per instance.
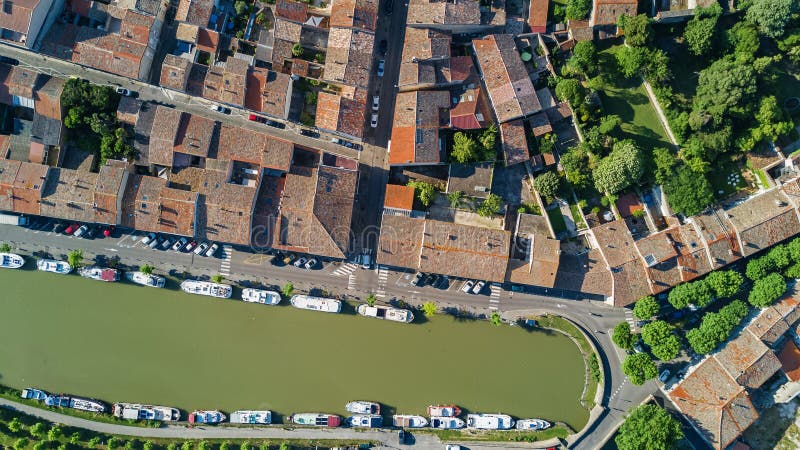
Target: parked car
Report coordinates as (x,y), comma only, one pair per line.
(220,109)
(59,227)
(664,376)
(383,46)
(190,246)
(428,280)
(443,283)
(375,102)
(81,231)
(374,121)
(72,228)
(434,280)
(274,124)
(452,447)
(289,258)
(91,232)
(478,287)
(300,261)
(154,243)
(126,92)
(201,249)
(149,238)
(312,263)
(212,250)
(381,65)
(467,287)
(417,279)
(178,245)
(257,118)
(366,260)
(108,231)
(309,133)
(401,436)
(166,243)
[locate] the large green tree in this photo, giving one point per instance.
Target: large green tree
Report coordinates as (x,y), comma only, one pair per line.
(630,60)
(639,367)
(724,87)
(577,167)
(638,30)
(571,90)
(490,206)
(425,192)
(585,56)
(700,32)
(687,191)
(766,290)
(465,149)
(620,169)
(662,341)
(724,283)
(696,293)
(771,16)
(547,185)
(759,268)
(622,336)
(649,427)
(646,308)
(578,9)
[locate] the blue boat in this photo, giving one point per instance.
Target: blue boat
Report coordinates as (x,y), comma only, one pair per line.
(209,417)
(34,394)
(59,401)
(365,420)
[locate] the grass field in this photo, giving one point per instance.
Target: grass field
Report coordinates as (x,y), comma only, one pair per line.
(557,220)
(627,99)
(718,177)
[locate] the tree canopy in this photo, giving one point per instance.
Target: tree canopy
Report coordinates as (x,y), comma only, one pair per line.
(547,185)
(639,367)
(490,206)
(758,268)
(571,90)
(578,9)
(701,30)
(766,290)
(696,293)
(648,427)
(585,56)
(724,283)
(646,308)
(577,167)
(638,29)
(465,149)
(620,169)
(716,327)
(662,341)
(687,191)
(724,86)
(623,337)
(771,16)
(425,192)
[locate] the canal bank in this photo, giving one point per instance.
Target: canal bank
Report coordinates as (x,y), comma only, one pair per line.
(127,343)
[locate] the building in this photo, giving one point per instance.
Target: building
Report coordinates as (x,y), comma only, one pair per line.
(425,62)
(605,13)
(537,15)
(24,22)
(535,256)
(342,113)
(514,141)
(349,57)
(458,16)
(268,92)
(418,117)
(357,14)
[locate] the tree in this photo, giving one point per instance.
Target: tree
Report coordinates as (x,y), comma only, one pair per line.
(455,198)
(621,168)
(285,446)
(646,308)
(700,342)
(724,283)
(55,433)
(490,206)
(766,290)
(14,426)
(225,445)
(578,9)
(371,299)
(687,191)
(623,337)
(241,7)
(585,55)
(648,427)
(759,268)
(488,140)
(5,248)
(425,192)
(38,430)
(496,319)
(631,60)
(547,185)
(465,149)
(609,124)
(637,29)
(662,341)
(664,162)
(95,441)
(21,443)
(571,90)
(429,309)
(793,271)
(577,167)
(723,86)
(744,39)
(701,30)
(146,269)
(695,293)
(148,445)
(639,367)
(218,278)
(75,438)
(771,16)
(297,50)
(187,445)
(779,257)
(656,66)
(288,289)
(75,258)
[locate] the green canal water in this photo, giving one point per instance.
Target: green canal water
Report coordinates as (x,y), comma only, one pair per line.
(121,342)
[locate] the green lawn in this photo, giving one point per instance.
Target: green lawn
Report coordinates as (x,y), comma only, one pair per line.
(718,177)
(557,220)
(627,99)
(576,216)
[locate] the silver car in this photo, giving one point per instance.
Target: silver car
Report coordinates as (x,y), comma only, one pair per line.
(212,250)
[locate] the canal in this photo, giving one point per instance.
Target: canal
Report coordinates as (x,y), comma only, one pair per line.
(121,342)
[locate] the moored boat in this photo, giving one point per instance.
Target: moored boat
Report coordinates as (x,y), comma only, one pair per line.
(207,288)
(58,401)
(447,423)
(444,411)
(135,411)
(386,313)
(99,273)
(11,261)
(145,279)
(87,404)
(363,407)
(54,266)
(489,421)
(33,394)
(365,420)
(408,421)
(208,417)
(252,417)
(261,296)
(532,424)
(316,419)
(316,303)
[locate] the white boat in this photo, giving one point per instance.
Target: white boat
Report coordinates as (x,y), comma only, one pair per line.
(207,288)
(87,404)
(207,417)
(444,411)
(447,423)
(11,261)
(316,303)
(316,419)
(386,313)
(52,265)
(135,411)
(261,296)
(532,424)
(252,417)
(363,407)
(365,421)
(33,394)
(408,421)
(99,273)
(489,421)
(144,279)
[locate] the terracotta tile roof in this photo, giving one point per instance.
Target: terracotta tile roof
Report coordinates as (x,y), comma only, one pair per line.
(418,115)
(400,242)
(349,56)
(197,77)
(162,136)
(790,360)
(128,110)
(194,135)
(227,85)
(465,251)
(19,19)
(628,204)
(606,12)
(8,173)
(281,51)
(196,12)
(226,214)
(149,205)
(291,10)
(748,361)
(537,15)
(426,58)
(362,14)
(540,124)
(673,256)
(109,186)
(541,265)
(719,237)
(175,72)
(17,81)
(507,81)
(471,111)
(515,144)
(207,41)
(463,12)
(719,407)
(343,113)
(108,52)
(69,194)
(267,91)
(616,242)
(764,220)
(559,113)
(187,32)
(399,197)
(287,30)
(47,101)
(239,144)
(136,27)
(773,322)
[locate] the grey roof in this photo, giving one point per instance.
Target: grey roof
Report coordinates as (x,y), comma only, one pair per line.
(45,130)
(141,132)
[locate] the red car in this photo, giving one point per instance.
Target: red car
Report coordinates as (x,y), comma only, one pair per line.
(256,118)
(72,228)
(108,230)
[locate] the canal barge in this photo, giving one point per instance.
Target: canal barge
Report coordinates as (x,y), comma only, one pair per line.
(363,407)
(146,279)
(408,421)
(207,417)
(34,394)
(99,273)
(261,296)
(489,421)
(79,403)
(447,423)
(316,303)
(252,417)
(135,411)
(207,288)
(532,424)
(54,266)
(365,421)
(386,313)
(316,419)
(444,411)
(11,261)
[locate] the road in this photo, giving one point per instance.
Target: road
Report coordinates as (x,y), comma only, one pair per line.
(349,280)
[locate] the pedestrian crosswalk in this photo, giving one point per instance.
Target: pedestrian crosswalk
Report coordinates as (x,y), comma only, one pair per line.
(494,297)
(351,282)
(629,318)
(383,276)
(225,265)
(346,269)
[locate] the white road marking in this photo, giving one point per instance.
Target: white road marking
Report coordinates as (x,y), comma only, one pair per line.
(346,269)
